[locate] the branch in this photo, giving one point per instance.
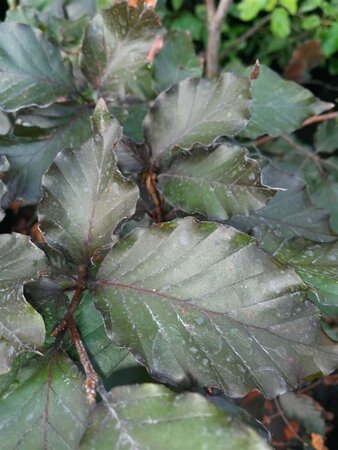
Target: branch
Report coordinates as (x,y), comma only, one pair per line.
(91,377)
(215,19)
(243,37)
(310,121)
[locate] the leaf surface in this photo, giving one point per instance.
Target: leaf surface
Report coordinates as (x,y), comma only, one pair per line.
(326,137)
(29,158)
(3,189)
(197,111)
(21,327)
(84,195)
(217,184)
(279,106)
(291,213)
(116,44)
(44,407)
(315,263)
(305,410)
(31,69)
(115,366)
(176,61)
(199,302)
(151,416)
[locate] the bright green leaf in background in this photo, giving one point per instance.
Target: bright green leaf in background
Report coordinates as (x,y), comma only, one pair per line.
(311,22)
(249,9)
(199,301)
(151,416)
(330,40)
(290,5)
(31,69)
(21,327)
(280,24)
(217,184)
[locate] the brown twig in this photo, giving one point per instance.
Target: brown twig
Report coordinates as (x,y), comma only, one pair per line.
(243,37)
(215,18)
(286,421)
(311,120)
(150,182)
(69,323)
(74,303)
(91,377)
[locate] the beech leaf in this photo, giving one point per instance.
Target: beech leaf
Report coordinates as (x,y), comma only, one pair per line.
(3,189)
(31,69)
(176,61)
(316,263)
(45,407)
(200,302)
(291,213)
(29,158)
(84,195)
(21,327)
(280,106)
(116,44)
(152,417)
(197,111)
(217,184)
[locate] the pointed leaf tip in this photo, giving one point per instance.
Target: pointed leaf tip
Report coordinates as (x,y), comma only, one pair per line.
(101,117)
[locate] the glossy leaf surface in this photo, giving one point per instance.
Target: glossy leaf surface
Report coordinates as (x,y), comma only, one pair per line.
(280,106)
(30,158)
(32,71)
(176,61)
(199,301)
(291,213)
(84,195)
(326,137)
(116,44)
(21,327)
(152,417)
(44,407)
(217,184)
(197,111)
(3,189)
(315,263)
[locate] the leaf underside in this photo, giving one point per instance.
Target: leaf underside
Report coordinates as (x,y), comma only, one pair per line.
(200,303)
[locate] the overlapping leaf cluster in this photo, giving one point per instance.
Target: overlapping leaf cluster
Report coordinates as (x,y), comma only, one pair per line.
(197,300)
